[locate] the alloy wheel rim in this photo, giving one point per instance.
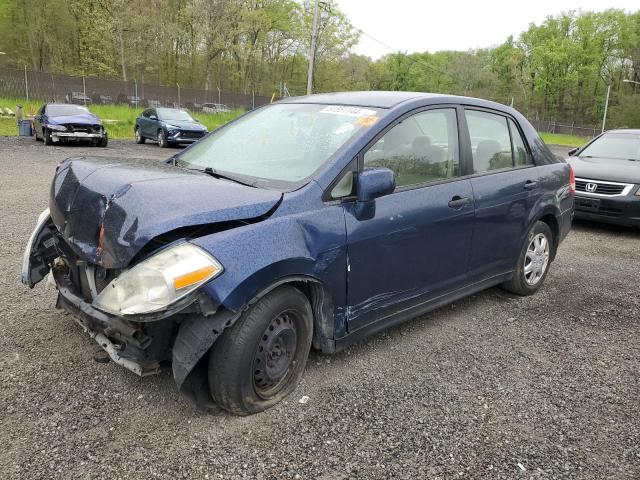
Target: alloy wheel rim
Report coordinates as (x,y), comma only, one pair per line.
(273,362)
(536,259)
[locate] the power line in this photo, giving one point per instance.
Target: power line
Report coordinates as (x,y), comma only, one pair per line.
(375,39)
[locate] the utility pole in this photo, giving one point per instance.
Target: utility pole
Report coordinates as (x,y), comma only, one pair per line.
(312,47)
(84,91)
(26,83)
(606,107)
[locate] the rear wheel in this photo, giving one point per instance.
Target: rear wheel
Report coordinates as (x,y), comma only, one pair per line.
(260,360)
(139,137)
(534,261)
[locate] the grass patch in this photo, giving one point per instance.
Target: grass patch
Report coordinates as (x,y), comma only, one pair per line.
(119,120)
(564,140)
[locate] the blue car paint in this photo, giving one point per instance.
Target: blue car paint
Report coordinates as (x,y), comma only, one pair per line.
(414,253)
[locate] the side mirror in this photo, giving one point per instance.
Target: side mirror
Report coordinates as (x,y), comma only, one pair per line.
(371,184)
(573,151)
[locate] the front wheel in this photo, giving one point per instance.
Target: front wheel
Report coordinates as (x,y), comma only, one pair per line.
(47,138)
(260,360)
(162,139)
(534,261)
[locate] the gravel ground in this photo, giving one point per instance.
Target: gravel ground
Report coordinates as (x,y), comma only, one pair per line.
(493,386)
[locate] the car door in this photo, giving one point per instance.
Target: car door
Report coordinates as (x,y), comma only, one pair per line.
(146,124)
(504,188)
(417,244)
(38,121)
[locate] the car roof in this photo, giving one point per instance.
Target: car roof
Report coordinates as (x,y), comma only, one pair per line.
(381,99)
(630,131)
(63,105)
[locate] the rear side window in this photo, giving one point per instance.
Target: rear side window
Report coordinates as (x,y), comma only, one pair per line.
(490,141)
(422,148)
(520,156)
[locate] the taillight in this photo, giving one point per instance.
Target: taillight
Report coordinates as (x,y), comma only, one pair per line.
(572,180)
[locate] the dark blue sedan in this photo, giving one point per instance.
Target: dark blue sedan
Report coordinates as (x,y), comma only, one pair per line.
(61,122)
(167,127)
(315,221)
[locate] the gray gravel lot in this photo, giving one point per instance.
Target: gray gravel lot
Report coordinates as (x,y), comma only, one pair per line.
(493,386)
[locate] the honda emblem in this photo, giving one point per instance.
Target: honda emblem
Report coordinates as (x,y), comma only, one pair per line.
(591,187)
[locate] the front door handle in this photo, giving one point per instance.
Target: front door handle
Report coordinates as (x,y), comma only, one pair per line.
(530,185)
(458,202)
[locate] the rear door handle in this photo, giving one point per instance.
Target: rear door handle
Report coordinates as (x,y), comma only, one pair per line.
(458,202)
(530,185)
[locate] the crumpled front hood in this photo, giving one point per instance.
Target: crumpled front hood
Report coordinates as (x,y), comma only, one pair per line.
(133,201)
(613,170)
(84,118)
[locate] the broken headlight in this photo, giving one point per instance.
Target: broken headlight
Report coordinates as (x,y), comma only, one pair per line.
(57,128)
(158,281)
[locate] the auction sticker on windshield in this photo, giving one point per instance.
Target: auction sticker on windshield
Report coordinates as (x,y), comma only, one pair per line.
(349,111)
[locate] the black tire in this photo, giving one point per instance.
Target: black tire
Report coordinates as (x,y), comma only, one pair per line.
(103,142)
(47,137)
(162,139)
(260,359)
(139,138)
(521,282)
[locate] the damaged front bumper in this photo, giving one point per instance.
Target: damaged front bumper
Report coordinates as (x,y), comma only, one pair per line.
(127,343)
(182,333)
(57,136)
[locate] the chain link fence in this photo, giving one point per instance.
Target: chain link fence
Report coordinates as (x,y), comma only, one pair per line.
(551,126)
(51,87)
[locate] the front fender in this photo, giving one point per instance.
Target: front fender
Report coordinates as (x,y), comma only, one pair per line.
(309,244)
(195,337)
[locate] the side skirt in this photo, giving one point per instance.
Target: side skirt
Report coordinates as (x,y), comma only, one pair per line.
(416,310)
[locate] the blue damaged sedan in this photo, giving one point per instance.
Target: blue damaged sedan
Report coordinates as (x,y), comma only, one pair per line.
(312,222)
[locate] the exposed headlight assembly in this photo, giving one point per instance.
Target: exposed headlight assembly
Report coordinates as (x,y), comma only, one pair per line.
(161,280)
(57,128)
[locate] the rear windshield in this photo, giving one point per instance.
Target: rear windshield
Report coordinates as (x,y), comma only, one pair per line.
(65,110)
(616,146)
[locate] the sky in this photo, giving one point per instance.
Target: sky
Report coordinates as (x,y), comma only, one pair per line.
(427,25)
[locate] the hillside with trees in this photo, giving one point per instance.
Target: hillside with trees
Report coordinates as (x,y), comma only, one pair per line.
(559,69)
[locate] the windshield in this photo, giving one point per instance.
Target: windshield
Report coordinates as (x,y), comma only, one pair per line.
(173,114)
(65,110)
(285,143)
(618,146)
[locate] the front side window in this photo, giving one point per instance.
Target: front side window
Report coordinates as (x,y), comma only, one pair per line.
(422,148)
(490,141)
(614,146)
(280,144)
